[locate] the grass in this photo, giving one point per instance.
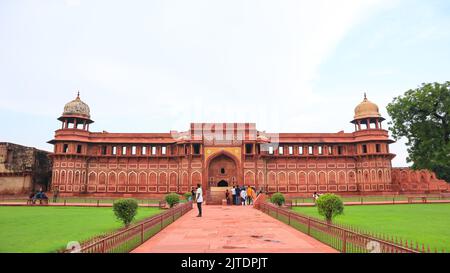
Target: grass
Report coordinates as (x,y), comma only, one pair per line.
(81,200)
(375,198)
(427,223)
(47,229)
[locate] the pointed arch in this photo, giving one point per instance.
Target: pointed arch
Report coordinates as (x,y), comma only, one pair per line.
(272,179)
(332,177)
(342,177)
(281,178)
(312,179)
(162,179)
(122,178)
(152,178)
(173,178)
(196,178)
(55,178)
(292,178)
(351,177)
(102,178)
(77,178)
(302,178)
(184,179)
(249,178)
(142,178)
(260,180)
(92,178)
(70,177)
(322,178)
(112,178)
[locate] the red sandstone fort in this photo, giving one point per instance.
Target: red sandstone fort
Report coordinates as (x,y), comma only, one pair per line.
(219,155)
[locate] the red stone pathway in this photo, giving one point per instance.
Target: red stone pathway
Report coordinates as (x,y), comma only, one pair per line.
(232,229)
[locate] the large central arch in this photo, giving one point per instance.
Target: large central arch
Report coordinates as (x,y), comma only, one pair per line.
(222,166)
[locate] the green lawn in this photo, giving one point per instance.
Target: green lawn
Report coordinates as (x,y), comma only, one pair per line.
(47,229)
(428,224)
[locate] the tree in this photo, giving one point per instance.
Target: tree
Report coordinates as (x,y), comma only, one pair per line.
(172,199)
(329,205)
(125,210)
(187,195)
(422,116)
(278,199)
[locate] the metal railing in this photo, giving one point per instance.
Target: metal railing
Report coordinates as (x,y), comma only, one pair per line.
(123,241)
(92,201)
(342,238)
(391,199)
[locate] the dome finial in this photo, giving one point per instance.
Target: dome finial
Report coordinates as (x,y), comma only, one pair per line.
(78,94)
(365,96)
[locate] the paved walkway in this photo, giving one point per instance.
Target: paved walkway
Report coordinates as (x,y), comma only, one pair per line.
(232,229)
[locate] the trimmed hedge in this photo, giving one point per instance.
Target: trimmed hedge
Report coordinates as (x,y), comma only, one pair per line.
(329,206)
(125,210)
(172,199)
(278,199)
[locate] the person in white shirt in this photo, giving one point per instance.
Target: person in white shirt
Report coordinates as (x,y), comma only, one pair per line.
(233,195)
(243,196)
(199,199)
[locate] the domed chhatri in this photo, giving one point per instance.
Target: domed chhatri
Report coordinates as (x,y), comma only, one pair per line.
(367,116)
(366,109)
(76,115)
(77,107)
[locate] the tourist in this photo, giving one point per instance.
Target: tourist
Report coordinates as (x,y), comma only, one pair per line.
(243,196)
(55,195)
(227,196)
(315,196)
(249,195)
(193,193)
(199,200)
(233,194)
(31,197)
(259,192)
(238,195)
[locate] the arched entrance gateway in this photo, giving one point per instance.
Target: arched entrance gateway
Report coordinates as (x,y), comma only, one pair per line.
(222,173)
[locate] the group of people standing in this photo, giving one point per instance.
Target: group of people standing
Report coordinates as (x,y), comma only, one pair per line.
(241,195)
(238,196)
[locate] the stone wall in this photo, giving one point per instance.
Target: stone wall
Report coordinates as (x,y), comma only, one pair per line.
(409,180)
(23,169)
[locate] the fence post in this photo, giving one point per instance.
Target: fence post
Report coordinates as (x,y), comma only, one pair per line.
(289,218)
(309,226)
(142,233)
(98,202)
(103,246)
(64,202)
(344,243)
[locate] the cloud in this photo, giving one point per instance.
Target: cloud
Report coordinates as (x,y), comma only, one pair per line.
(73,3)
(233,60)
(165,64)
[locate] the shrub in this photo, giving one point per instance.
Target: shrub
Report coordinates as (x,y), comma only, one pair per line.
(187,195)
(329,206)
(277,198)
(172,199)
(125,210)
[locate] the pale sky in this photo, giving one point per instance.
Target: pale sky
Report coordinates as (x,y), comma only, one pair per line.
(155,66)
